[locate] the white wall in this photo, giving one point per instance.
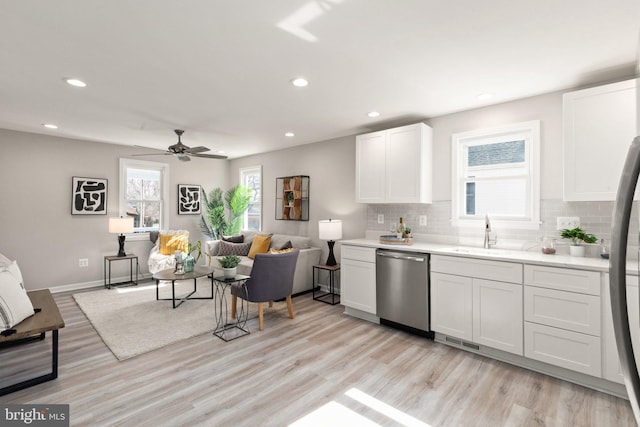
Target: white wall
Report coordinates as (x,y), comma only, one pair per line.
(546,108)
(331,169)
(36,224)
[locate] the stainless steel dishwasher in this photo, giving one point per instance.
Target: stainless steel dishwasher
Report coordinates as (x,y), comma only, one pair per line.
(402,290)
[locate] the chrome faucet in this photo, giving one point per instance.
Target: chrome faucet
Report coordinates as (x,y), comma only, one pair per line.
(487,230)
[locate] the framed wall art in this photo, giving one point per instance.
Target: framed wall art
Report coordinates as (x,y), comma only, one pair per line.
(88,196)
(189,201)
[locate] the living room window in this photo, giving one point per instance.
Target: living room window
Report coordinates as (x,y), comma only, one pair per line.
(497,172)
(144,191)
(251,178)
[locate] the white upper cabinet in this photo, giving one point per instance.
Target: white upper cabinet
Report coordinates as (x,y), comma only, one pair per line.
(394,165)
(599,125)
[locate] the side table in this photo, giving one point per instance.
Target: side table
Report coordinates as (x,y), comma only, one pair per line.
(107,277)
(226,330)
(330,297)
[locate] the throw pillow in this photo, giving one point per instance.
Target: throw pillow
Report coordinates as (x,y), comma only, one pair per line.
(260,245)
(15,305)
(287,245)
(280,251)
(170,243)
(228,248)
(234,239)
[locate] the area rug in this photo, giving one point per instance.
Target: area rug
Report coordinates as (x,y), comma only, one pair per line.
(131,322)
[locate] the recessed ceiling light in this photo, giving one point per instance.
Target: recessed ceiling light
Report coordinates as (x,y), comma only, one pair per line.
(75,82)
(373,114)
(484,96)
(300,82)
(289,134)
(50,126)
(220,151)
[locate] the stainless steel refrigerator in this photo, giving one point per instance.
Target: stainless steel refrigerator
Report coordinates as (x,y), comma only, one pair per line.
(623,325)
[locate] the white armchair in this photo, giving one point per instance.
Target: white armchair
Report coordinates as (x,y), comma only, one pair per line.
(161,256)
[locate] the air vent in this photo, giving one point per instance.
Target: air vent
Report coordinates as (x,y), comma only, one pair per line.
(453,340)
(469,345)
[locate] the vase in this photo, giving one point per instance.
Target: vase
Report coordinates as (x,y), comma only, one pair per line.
(229,273)
(189,264)
(576,250)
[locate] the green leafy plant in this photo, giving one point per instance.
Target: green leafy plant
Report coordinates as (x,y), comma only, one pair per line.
(213,222)
(290,197)
(229,261)
(195,247)
(576,235)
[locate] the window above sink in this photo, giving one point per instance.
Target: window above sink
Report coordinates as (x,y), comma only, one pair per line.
(496,171)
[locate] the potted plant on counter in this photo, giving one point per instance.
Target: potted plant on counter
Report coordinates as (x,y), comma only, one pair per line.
(229,264)
(577,235)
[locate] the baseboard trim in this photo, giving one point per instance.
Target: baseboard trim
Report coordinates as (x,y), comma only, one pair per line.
(89,285)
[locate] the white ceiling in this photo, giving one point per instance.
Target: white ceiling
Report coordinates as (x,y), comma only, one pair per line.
(221,70)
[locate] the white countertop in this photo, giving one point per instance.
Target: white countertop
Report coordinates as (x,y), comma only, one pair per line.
(528,257)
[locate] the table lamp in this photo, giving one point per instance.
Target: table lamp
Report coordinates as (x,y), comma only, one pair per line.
(330,230)
(121,226)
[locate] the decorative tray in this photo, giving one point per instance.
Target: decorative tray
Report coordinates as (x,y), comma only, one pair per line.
(391,239)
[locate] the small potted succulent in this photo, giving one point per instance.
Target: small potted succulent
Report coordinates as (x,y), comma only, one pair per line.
(577,235)
(229,264)
(406,233)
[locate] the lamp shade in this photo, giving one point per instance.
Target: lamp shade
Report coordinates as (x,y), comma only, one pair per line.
(330,229)
(120,225)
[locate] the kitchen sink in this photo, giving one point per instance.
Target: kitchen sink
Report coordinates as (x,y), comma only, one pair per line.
(477,251)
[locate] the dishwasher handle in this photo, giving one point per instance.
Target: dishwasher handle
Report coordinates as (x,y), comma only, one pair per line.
(401,256)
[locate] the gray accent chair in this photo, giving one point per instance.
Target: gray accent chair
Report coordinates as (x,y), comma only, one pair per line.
(271,280)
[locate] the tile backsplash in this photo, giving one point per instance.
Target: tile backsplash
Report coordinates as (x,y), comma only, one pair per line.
(595,218)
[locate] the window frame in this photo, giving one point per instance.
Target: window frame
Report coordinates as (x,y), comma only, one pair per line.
(242,173)
(529,132)
(163,168)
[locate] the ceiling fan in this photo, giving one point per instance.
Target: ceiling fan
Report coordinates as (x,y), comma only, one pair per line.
(182,151)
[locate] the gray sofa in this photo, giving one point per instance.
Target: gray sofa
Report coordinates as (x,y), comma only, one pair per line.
(307,258)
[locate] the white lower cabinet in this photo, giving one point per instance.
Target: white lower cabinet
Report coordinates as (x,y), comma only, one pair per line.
(481,310)
(559,347)
(497,315)
(451,305)
(562,313)
(358,278)
(611,363)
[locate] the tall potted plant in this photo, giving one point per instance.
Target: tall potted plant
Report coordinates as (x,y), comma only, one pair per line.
(213,222)
(577,235)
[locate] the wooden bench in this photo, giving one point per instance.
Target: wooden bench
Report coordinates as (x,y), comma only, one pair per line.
(48,318)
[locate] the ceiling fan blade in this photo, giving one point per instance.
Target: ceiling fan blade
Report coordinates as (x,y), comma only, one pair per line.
(148,148)
(194,150)
(153,154)
(209,156)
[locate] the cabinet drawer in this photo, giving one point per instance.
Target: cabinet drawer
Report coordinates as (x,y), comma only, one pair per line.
(358,253)
(491,270)
(566,279)
(566,310)
(570,350)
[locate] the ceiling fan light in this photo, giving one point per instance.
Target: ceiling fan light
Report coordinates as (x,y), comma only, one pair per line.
(75,82)
(300,82)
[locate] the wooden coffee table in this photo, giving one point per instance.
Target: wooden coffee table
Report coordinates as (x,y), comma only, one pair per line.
(169,274)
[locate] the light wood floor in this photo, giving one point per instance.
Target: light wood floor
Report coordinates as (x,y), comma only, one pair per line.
(321,364)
